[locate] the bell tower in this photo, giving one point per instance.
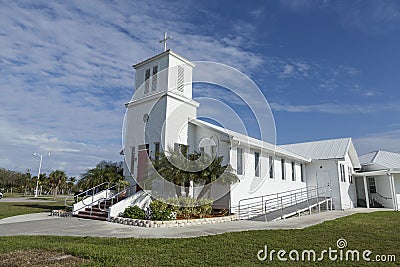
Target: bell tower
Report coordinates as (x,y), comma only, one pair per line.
(157,116)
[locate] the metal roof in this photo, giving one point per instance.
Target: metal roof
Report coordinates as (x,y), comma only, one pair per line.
(167,52)
(385,159)
(251,141)
(318,150)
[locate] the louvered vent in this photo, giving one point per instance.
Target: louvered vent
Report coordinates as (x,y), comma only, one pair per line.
(181,78)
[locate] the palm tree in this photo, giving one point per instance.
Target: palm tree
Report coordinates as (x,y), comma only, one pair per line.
(71,184)
(56,180)
(180,169)
(103,172)
(170,166)
(28,182)
(225,174)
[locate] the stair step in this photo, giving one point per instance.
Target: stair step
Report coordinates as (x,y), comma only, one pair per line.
(84,216)
(95,213)
(95,209)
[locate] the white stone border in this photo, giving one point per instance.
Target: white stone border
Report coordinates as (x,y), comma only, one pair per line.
(173,223)
(61,213)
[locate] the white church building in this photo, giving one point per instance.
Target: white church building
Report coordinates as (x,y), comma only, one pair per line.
(162,114)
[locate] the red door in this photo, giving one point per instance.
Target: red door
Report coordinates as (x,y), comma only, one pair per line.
(143,157)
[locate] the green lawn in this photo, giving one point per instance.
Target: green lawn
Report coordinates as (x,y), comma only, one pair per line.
(377,232)
(14,194)
(8,209)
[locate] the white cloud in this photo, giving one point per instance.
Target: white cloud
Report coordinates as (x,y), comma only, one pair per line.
(288,71)
(334,108)
(65,71)
(389,141)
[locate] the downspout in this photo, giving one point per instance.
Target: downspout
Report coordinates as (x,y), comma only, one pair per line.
(393,189)
(366,191)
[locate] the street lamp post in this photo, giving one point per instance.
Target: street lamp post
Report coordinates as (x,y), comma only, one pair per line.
(40,167)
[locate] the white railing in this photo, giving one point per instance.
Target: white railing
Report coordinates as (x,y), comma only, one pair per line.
(93,196)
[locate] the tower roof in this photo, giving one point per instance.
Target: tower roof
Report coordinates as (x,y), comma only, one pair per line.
(167,52)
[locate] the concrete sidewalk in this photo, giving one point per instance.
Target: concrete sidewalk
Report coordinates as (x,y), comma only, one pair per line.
(43,224)
(24,199)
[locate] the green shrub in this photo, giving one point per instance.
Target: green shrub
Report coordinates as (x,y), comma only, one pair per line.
(134,212)
(188,207)
(68,209)
(160,211)
(204,207)
(174,206)
(185,207)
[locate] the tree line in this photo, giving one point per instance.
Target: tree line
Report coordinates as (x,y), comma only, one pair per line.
(58,182)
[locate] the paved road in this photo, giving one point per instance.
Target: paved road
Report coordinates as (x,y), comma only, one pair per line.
(43,224)
(23,199)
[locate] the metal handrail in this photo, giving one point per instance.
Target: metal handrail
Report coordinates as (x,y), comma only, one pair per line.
(387,198)
(76,197)
(115,197)
(279,201)
(94,202)
(273,196)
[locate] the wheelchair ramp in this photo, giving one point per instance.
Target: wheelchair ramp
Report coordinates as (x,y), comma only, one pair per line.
(285,204)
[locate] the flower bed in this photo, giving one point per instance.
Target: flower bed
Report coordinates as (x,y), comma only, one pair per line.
(173,223)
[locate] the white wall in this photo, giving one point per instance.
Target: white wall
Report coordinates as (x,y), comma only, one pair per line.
(251,186)
(178,116)
(396,180)
(331,168)
(383,187)
(323,172)
(348,190)
(138,132)
(197,134)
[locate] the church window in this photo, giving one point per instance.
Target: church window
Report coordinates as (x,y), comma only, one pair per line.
(239,161)
(156,151)
(302,172)
(133,154)
(342,173)
(146,81)
(350,175)
(213,151)
(271,167)
(371,185)
(293,172)
(283,169)
(257,164)
(181,78)
(154,79)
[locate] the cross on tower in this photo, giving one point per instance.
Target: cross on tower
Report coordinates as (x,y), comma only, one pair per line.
(165,41)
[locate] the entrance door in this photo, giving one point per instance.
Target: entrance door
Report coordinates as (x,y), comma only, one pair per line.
(143,159)
(323,179)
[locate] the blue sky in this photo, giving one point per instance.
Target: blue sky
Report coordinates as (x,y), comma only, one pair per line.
(328,68)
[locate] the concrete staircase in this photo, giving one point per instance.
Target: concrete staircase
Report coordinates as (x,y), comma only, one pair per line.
(109,202)
(98,211)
